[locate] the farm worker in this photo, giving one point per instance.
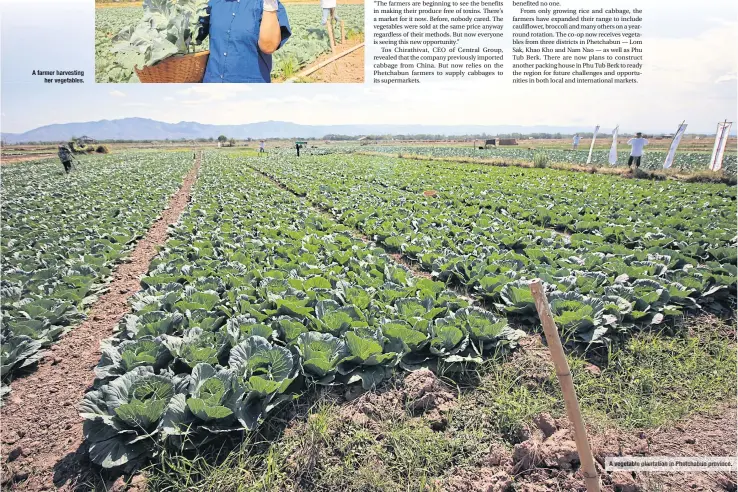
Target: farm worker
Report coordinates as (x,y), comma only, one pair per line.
(297,146)
(261,146)
(243,36)
(65,156)
(636,149)
(329,15)
(575,145)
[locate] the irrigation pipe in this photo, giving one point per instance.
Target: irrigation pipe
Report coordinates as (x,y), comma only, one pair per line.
(567,387)
(317,67)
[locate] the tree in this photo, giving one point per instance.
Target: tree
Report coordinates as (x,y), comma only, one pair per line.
(222,139)
(232,142)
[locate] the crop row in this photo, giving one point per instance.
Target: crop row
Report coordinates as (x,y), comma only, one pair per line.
(652,159)
(254,296)
(61,237)
(615,254)
(309,39)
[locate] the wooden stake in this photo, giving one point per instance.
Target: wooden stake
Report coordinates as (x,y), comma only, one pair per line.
(567,387)
(343,33)
(331,37)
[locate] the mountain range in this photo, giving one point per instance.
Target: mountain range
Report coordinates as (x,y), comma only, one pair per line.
(147,129)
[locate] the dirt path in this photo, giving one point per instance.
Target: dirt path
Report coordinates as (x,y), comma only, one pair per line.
(348,69)
(15,159)
(41,428)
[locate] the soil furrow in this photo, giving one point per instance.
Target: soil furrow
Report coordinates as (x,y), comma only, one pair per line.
(42,443)
(398,258)
(7,160)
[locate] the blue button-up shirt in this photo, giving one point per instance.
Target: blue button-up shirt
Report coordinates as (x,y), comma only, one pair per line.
(233,26)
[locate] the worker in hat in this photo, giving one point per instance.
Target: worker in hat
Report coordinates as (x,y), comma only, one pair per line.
(65,156)
(636,149)
(329,17)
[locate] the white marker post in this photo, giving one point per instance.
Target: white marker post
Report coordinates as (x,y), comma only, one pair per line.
(613,157)
(591,146)
(721,139)
(567,387)
(674,144)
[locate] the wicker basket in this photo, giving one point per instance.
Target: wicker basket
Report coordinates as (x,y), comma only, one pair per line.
(183,69)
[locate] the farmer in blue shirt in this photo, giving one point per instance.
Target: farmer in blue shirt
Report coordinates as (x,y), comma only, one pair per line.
(243,36)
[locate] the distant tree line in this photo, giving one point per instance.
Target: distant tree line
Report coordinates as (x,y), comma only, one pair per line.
(478,136)
(387,137)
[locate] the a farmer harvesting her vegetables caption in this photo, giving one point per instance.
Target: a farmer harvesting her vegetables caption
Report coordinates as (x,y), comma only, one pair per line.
(243,36)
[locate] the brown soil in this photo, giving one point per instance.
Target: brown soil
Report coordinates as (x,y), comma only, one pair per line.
(107,5)
(15,159)
(348,69)
(701,435)
(547,459)
(420,395)
(413,267)
(41,429)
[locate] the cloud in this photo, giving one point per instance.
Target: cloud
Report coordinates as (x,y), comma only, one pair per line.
(208,94)
(690,63)
(727,77)
(116,93)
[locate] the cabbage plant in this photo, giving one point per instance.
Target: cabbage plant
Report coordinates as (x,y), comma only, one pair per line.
(167,28)
(262,374)
(117,360)
(321,353)
(121,419)
(367,361)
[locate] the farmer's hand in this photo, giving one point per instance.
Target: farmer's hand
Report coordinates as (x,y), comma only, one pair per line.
(203,28)
(270,6)
(202,33)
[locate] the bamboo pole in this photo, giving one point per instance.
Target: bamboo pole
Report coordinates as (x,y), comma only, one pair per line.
(567,387)
(331,37)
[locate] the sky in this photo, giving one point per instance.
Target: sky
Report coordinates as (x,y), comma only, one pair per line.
(690,73)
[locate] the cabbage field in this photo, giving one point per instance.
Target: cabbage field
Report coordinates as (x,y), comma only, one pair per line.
(309,39)
(62,237)
(259,294)
(288,275)
(652,159)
